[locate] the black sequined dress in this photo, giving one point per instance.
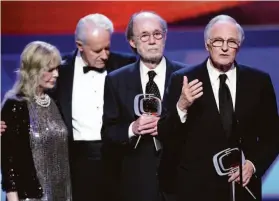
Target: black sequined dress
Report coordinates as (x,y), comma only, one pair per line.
(35,164)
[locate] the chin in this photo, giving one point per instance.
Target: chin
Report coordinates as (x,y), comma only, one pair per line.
(50,87)
(100,66)
(225,62)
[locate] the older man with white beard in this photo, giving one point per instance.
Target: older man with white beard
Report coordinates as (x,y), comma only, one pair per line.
(146,34)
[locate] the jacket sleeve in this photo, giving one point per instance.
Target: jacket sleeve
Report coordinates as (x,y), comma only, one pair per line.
(269,137)
(115,126)
(11,115)
(169,125)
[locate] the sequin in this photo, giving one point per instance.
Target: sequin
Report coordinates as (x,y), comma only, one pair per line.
(49,145)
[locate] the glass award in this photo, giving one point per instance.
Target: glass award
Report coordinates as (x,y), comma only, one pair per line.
(150,105)
(147,104)
(228,161)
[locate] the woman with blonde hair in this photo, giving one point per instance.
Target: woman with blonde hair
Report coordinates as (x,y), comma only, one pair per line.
(35,163)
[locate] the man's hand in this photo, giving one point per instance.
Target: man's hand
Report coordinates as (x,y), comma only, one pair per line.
(247,172)
(189,93)
(145,124)
(2,127)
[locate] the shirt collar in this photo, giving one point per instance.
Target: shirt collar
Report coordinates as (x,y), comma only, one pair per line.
(158,70)
(214,72)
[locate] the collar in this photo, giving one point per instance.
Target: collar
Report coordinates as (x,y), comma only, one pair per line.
(215,72)
(160,68)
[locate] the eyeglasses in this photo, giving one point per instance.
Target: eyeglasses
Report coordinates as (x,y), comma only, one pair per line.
(158,35)
(219,42)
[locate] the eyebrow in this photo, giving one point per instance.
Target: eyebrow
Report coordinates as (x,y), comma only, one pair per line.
(156,30)
(224,39)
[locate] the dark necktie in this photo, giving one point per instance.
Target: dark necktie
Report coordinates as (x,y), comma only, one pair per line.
(225,105)
(151,86)
(86,69)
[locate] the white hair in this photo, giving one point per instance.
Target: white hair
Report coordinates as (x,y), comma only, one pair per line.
(90,22)
(223,18)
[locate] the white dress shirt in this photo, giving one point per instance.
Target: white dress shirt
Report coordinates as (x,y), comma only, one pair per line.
(159,79)
(87,102)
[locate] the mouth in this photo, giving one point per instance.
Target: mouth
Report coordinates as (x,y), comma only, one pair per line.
(100,63)
(52,82)
(224,55)
(153,50)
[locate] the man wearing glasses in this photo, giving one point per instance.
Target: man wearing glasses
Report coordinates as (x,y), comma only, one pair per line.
(216,105)
(146,34)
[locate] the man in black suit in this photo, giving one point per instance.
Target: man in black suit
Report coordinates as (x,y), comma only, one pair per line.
(146,33)
(79,93)
(215,105)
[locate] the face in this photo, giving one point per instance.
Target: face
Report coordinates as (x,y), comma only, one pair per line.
(223,44)
(149,38)
(48,78)
(95,50)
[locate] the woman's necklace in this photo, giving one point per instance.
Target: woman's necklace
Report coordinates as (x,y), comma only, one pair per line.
(43,100)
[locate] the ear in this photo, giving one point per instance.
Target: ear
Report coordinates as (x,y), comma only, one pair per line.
(79,45)
(207,46)
(132,43)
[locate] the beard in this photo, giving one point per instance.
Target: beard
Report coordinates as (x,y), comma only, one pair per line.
(152,60)
(156,59)
(151,57)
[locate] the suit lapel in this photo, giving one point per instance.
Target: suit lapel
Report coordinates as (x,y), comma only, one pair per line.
(66,89)
(207,102)
(169,70)
(241,90)
(134,86)
(208,95)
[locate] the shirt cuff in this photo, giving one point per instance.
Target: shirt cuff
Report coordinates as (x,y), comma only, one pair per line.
(182,115)
(130,131)
(253,166)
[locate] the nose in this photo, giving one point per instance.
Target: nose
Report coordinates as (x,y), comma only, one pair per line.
(151,40)
(104,55)
(225,46)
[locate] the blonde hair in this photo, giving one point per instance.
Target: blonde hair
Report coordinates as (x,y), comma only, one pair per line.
(36,58)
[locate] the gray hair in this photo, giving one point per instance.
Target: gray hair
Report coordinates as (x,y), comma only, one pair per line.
(223,18)
(130,27)
(36,58)
(91,21)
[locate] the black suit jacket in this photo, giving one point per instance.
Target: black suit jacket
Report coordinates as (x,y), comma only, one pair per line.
(18,169)
(121,87)
(202,136)
(64,86)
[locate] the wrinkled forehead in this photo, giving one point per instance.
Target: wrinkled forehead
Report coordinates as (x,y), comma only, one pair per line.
(147,23)
(225,30)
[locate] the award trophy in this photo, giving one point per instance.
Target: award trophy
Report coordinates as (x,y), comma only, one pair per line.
(150,105)
(228,161)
